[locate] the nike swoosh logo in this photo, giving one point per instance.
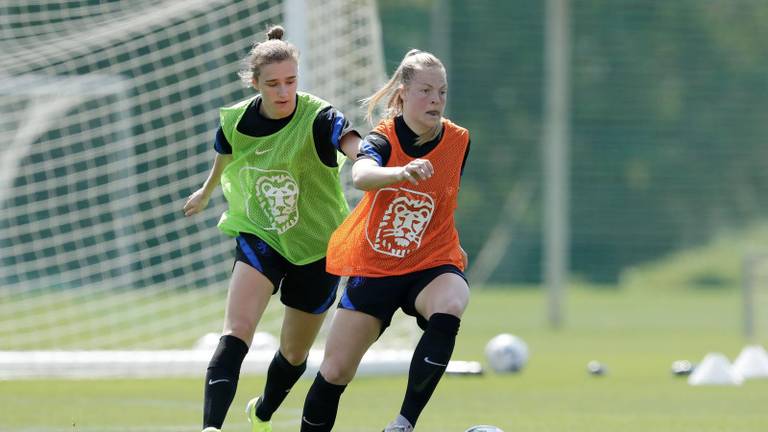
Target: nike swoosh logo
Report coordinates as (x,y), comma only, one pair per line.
(212,382)
(261,152)
(304,419)
(427,360)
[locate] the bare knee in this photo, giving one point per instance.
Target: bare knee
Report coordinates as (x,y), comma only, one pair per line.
(294,355)
(452,306)
(447,294)
(240,329)
(336,373)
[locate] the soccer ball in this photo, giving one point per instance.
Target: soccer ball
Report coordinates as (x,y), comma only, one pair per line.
(483,428)
(506,353)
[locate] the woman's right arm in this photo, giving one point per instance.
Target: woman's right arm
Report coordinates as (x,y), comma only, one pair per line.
(368,175)
(199,199)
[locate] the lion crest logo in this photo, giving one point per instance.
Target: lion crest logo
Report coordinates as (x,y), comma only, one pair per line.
(274,194)
(399,230)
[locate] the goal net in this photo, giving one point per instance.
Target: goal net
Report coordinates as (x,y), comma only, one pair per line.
(108,111)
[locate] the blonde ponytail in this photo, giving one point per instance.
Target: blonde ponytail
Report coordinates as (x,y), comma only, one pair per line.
(413,61)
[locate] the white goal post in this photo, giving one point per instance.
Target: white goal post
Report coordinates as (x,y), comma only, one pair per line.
(108,111)
(754,295)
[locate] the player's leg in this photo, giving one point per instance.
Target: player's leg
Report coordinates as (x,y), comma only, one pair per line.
(364,311)
(307,292)
(289,363)
(252,283)
(352,333)
(249,293)
(439,305)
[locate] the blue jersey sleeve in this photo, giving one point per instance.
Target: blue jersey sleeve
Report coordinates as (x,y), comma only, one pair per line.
(329,127)
(221,145)
(377,147)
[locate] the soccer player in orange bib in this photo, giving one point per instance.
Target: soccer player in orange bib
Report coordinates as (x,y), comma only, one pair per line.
(399,246)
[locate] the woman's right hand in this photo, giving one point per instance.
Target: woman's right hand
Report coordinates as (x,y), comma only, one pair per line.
(417,170)
(196,202)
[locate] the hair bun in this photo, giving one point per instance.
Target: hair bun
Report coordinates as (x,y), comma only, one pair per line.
(275,32)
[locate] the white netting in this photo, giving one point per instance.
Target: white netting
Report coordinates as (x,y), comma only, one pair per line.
(107,116)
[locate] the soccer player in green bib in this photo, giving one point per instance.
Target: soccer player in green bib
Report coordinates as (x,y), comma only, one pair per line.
(278,160)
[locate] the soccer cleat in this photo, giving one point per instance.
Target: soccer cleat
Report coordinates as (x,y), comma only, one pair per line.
(211,429)
(257,424)
(392,427)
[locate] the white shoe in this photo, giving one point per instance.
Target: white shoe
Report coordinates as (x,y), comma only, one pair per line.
(211,429)
(397,427)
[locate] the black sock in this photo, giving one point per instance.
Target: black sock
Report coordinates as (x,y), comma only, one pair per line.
(221,379)
(430,358)
(321,405)
(281,376)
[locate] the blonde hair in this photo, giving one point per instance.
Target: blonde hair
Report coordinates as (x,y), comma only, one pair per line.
(413,61)
(272,50)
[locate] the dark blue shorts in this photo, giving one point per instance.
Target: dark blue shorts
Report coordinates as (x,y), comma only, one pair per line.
(308,287)
(381,297)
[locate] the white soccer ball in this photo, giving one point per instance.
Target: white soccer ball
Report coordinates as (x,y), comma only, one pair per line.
(483,428)
(506,353)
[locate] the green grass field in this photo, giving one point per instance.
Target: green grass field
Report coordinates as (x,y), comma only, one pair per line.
(636,334)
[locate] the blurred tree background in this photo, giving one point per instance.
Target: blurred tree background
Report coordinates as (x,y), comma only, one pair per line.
(669,138)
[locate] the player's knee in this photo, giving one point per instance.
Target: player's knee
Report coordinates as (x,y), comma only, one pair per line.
(294,355)
(451,306)
(241,330)
(336,373)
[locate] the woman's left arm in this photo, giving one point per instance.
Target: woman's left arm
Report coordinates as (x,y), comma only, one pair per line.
(350,145)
